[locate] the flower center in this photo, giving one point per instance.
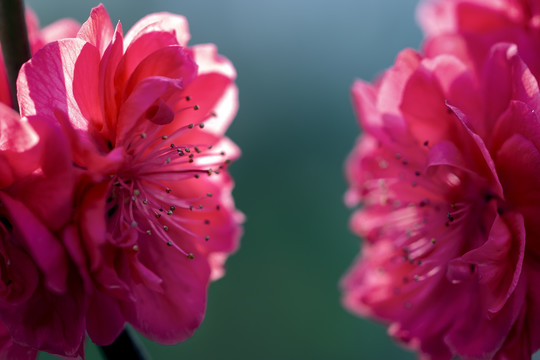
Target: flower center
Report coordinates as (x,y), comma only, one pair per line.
(147,197)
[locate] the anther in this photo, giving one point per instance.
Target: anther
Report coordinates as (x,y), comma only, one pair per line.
(190,126)
(134,223)
(168,190)
(196,107)
(165,227)
(148,232)
(164,137)
(190,256)
(135,248)
(143,136)
(169,212)
(201,125)
(206,238)
(169,243)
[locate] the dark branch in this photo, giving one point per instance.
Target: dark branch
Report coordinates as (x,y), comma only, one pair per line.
(126,346)
(14,40)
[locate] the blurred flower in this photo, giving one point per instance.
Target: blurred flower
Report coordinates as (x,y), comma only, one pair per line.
(447,170)
(468,28)
(37,38)
(154,217)
(36,186)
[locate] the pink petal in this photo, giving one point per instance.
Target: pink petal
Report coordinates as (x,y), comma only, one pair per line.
(16,136)
(54,66)
(44,248)
(138,50)
(172,62)
(480,337)
(514,81)
(61,29)
(11,350)
(98,29)
(209,61)
(136,106)
(160,22)
(173,315)
(428,119)
(208,92)
(47,189)
(110,96)
(20,275)
(50,322)
(105,320)
(519,174)
(394,80)
(499,260)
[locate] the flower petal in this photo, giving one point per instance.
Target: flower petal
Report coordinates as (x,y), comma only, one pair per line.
(98,29)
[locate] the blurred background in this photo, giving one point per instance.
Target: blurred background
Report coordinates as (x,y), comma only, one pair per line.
(296,60)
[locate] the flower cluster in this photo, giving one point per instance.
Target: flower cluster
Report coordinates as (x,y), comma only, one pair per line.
(115,198)
(448,172)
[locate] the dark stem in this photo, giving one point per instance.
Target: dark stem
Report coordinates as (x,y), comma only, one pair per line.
(14,40)
(126,346)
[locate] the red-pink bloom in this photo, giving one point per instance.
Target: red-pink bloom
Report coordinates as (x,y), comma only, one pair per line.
(37,38)
(154,217)
(36,186)
(468,28)
(448,171)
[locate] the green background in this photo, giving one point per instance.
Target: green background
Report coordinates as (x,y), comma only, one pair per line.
(296,60)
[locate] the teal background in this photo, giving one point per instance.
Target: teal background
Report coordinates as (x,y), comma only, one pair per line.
(296,60)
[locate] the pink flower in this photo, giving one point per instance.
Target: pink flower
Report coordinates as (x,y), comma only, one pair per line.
(154,217)
(35,200)
(448,171)
(468,28)
(37,38)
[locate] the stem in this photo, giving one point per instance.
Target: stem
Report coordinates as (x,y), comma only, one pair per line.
(14,40)
(126,346)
